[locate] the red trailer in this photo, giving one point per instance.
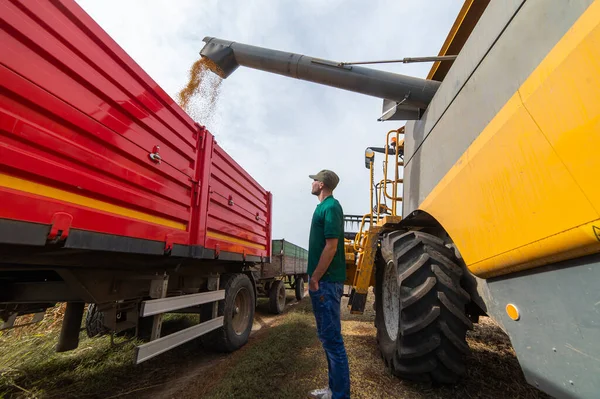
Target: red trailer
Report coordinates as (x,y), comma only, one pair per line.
(111,194)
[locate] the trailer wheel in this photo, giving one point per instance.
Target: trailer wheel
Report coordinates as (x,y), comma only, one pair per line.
(299,286)
(277,297)
(94,322)
(420,309)
(238,311)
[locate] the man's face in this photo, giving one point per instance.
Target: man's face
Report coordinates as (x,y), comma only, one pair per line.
(316,188)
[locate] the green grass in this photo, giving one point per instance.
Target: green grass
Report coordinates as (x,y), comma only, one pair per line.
(281,365)
(30,367)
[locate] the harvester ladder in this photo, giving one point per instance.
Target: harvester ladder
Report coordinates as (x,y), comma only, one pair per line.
(366,242)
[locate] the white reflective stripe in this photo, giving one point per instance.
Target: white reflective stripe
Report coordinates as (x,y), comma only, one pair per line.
(164,344)
(163,305)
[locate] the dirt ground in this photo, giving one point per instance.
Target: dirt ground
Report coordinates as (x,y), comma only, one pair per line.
(283,359)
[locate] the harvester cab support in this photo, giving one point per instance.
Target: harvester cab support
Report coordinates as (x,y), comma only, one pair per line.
(381,218)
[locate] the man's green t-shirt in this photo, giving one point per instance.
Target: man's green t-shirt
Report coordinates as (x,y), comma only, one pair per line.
(327,222)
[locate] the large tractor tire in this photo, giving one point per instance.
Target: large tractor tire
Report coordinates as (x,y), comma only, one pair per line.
(420,309)
(299,288)
(277,297)
(238,311)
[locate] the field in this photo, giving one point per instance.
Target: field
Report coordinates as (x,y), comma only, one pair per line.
(282,360)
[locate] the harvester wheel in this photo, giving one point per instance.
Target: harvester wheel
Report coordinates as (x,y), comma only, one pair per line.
(277,297)
(299,283)
(420,315)
(238,311)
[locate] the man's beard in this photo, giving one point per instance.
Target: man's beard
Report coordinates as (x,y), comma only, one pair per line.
(317,192)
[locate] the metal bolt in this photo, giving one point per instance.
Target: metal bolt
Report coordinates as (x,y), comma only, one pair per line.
(571,382)
(554,349)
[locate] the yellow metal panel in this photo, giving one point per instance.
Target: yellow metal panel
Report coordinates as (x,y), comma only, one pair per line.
(573,243)
(513,177)
(563,97)
(389,219)
(464,24)
(527,191)
(66,196)
(234,240)
(366,262)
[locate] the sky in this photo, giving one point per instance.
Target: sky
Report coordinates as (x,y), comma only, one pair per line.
(279,129)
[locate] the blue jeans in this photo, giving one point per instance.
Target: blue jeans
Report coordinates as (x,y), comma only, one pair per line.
(326,307)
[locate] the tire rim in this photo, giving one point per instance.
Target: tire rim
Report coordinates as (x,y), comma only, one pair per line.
(241,311)
(281,295)
(391,301)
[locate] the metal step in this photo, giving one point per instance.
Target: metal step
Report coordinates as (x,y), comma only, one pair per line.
(164,305)
(164,344)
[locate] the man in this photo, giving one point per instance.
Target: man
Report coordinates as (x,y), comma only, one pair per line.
(327,271)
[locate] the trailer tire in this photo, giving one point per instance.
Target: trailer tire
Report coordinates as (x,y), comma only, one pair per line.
(420,316)
(238,311)
(94,322)
(277,297)
(299,287)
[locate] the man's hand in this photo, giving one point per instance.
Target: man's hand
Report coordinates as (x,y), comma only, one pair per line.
(313,284)
(324,262)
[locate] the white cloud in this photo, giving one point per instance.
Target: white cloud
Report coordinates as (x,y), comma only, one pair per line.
(280,129)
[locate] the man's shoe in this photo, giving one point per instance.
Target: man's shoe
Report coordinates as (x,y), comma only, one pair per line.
(324,393)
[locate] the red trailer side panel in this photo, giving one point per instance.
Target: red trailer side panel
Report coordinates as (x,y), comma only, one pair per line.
(78,120)
(237,216)
(89,141)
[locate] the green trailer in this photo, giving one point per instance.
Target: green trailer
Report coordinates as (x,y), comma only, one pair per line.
(288,265)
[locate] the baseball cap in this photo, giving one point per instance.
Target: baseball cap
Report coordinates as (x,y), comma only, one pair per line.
(329,178)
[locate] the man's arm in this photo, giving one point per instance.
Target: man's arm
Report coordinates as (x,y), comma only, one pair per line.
(324,262)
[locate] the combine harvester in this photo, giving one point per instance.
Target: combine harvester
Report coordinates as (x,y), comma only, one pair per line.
(492,191)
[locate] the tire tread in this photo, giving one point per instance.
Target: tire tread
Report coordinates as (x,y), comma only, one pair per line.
(431,343)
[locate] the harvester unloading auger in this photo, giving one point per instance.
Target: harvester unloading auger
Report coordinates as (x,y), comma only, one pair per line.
(409,95)
(499,210)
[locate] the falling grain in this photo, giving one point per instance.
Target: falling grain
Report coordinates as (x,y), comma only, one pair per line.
(201,94)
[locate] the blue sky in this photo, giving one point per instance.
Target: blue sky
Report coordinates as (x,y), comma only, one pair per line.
(280,129)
